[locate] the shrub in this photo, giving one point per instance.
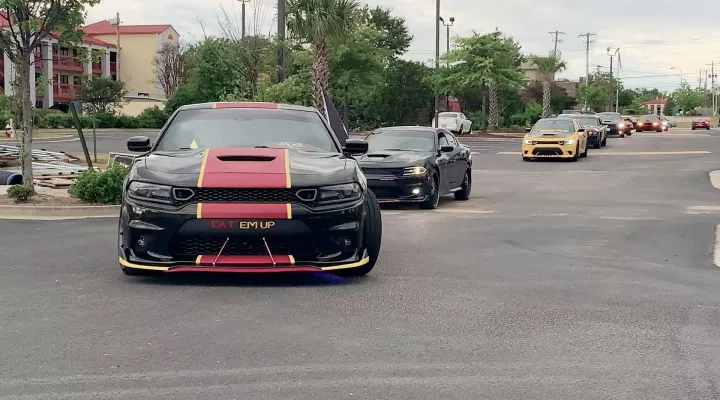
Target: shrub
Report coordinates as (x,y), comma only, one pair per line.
(100,187)
(53,120)
(19,193)
(104,120)
(40,113)
(127,121)
(152,118)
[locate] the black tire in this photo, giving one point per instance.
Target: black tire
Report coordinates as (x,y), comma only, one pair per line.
(598,144)
(464,193)
(434,198)
(584,153)
(576,156)
(604,142)
(526,158)
(372,237)
(693,128)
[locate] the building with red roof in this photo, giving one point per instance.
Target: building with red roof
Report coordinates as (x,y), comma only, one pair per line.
(126,55)
(656,106)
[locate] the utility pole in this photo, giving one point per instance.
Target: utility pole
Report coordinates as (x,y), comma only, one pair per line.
(281,37)
(713,98)
(617,88)
(587,60)
(611,64)
(243,16)
(557,40)
(437,55)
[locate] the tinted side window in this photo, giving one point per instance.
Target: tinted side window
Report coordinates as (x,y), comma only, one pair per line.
(442,140)
(452,140)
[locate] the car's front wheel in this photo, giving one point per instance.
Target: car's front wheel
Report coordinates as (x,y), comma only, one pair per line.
(434,195)
(372,237)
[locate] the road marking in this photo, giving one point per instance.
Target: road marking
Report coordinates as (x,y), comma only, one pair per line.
(462,211)
(635,153)
(698,210)
(642,134)
(716,250)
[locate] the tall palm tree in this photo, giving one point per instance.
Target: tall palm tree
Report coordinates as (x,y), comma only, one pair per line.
(318,22)
(548,66)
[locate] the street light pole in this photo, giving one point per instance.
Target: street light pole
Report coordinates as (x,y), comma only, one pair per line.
(611,68)
(117,22)
(447,64)
(243,16)
(437,56)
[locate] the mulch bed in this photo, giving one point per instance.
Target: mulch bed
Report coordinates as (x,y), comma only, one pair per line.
(45,200)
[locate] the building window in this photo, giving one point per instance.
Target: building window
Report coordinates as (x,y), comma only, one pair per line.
(64,79)
(76,81)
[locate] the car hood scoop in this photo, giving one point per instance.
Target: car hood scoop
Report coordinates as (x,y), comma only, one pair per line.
(250,158)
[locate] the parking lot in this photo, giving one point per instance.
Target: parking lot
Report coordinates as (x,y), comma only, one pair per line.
(580,280)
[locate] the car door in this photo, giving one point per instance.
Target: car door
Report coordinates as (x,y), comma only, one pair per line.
(460,160)
(445,162)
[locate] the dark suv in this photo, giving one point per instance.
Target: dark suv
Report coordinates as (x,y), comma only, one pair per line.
(614,122)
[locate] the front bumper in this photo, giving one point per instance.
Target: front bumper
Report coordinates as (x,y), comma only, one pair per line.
(548,150)
(700,126)
(395,189)
(649,127)
(231,237)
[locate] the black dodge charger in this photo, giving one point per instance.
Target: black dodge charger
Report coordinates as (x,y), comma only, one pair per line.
(247,187)
(416,164)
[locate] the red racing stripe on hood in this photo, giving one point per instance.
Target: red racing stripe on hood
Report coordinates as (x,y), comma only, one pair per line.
(245,168)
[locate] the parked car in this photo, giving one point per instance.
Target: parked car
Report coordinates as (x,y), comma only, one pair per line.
(416,164)
(455,122)
(701,123)
(614,122)
(649,122)
(594,127)
(670,122)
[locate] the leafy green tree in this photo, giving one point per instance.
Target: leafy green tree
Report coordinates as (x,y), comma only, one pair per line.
(393,34)
(30,22)
(319,22)
(688,98)
(505,72)
(548,66)
(100,95)
(405,96)
(595,95)
(670,107)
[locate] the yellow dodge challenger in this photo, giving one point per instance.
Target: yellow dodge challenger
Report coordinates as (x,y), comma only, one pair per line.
(555,138)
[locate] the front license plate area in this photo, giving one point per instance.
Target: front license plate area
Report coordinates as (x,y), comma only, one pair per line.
(243,227)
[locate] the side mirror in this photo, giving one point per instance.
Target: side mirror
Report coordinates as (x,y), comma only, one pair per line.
(139,144)
(527,129)
(356,147)
(447,149)
(581,130)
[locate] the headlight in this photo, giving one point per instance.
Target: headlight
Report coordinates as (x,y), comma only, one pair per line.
(571,141)
(620,125)
(338,193)
(415,171)
(527,141)
(150,192)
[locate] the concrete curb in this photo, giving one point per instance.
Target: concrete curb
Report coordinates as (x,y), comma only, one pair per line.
(31,212)
(40,139)
(715,179)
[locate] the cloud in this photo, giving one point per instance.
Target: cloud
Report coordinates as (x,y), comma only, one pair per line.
(652,39)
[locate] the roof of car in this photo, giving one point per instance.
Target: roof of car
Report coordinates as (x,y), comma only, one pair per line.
(246,104)
(408,128)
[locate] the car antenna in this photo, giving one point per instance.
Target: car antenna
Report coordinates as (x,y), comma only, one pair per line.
(269,252)
(221,250)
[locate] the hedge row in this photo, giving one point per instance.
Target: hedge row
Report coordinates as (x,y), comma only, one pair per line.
(150,118)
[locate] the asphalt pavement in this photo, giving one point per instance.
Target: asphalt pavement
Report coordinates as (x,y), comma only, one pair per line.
(557,280)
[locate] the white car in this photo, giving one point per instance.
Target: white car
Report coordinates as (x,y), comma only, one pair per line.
(455,122)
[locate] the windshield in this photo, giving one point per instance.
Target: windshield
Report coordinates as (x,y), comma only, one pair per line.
(401,140)
(561,127)
(246,127)
(586,120)
(650,117)
(448,115)
(614,117)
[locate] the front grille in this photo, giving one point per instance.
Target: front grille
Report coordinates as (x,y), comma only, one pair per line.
(560,142)
(553,151)
(193,246)
(383,171)
(220,195)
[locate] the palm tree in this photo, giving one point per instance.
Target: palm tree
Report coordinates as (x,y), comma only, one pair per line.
(318,22)
(548,66)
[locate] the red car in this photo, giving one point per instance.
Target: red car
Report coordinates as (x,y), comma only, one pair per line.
(701,123)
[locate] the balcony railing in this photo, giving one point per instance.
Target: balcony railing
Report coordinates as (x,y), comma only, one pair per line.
(67,63)
(97,68)
(66,91)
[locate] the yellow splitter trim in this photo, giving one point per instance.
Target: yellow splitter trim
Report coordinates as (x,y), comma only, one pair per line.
(287,169)
(202,167)
(128,264)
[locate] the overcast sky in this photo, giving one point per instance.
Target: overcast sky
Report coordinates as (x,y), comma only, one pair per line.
(652,37)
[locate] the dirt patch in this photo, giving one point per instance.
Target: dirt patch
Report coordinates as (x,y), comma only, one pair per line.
(45,200)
